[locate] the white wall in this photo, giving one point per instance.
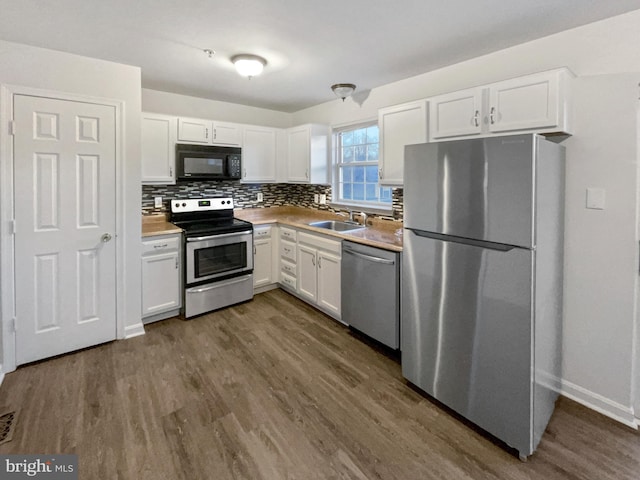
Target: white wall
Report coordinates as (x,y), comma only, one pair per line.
(186,106)
(601,250)
(26,66)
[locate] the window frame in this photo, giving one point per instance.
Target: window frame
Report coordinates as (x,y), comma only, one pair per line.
(368,206)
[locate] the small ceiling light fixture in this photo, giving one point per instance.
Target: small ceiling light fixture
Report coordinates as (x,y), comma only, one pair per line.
(248,65)
(343,90)
(209,52)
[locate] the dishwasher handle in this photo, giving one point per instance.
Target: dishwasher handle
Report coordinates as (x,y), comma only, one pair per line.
(370,258)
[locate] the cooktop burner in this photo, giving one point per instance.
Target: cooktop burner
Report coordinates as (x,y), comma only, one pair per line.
(214,226)
(206,216)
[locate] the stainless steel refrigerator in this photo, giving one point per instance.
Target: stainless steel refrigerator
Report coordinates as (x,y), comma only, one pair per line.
(482,280)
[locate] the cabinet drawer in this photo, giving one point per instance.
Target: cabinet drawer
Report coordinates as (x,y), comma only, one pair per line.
(288,234)
(288,250)
(160,245)
(320,242)
(288,280)
(288,268)
(262,232)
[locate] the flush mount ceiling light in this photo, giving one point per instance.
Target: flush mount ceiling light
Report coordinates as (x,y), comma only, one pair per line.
(248,65)
(343,90)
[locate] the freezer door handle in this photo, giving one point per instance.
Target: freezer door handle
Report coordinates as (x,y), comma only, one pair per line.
(465,241)
(369,257)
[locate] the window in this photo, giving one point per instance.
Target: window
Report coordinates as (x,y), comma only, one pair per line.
(356,173)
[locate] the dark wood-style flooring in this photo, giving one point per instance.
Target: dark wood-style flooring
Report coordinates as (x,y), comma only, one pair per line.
(273,389)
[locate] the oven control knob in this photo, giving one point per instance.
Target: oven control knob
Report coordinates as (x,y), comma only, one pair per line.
(177,205)
(184,204)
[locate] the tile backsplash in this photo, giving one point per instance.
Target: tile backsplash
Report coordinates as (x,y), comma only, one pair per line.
(245,195)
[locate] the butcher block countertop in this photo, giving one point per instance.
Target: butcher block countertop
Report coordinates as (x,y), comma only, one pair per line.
(157,225)
(385,234)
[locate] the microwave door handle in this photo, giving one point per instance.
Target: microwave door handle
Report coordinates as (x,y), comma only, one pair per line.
(213,237)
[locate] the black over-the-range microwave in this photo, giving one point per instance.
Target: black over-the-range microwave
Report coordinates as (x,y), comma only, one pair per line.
(208,162)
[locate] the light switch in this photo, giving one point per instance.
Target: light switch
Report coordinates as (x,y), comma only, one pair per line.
(595,198)
(157,202)
(323,199)
(260,198)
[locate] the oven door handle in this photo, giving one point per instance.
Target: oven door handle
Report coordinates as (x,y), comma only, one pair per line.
(216,285)
(212,237)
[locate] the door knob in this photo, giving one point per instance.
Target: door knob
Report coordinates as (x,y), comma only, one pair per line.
(105,237)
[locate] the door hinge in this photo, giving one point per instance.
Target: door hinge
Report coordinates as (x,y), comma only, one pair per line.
(12,227)
(12,325)
(12,127)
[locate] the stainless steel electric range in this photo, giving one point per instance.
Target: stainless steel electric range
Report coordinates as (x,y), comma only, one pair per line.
(218,254)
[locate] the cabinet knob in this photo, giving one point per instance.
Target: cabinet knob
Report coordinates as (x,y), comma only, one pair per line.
(106,237)
(492,114)
(476,117)
(206,133)
(380,173)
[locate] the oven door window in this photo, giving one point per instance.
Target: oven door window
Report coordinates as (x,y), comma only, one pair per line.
(204,165)
(218,259)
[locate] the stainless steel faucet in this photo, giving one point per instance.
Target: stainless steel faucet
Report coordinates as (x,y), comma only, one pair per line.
(364,218)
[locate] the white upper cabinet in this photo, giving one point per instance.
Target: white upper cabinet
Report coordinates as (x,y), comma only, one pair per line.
(158,148)
(307,154)
(194,130)
(455,114)
(399,125)
(538,103)
(531,102)
(259,154)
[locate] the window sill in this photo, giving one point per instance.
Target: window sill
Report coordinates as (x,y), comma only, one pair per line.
(366,208)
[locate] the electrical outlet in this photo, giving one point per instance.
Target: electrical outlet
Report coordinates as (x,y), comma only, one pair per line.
(157,202)
(315,198)
(323,199)
(260,198)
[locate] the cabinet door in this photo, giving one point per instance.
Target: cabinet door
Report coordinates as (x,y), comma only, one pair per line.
(329,282)
(524,103)
(226,134)
(262,262)
(158,149)
(455,114)
(399,126)
(259,154)
(307,273)
(298,154)
(160,283)
(194,130)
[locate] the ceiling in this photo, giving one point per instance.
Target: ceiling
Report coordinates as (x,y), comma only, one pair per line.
(308,45)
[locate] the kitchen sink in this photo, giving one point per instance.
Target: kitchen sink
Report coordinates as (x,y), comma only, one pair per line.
(336,226)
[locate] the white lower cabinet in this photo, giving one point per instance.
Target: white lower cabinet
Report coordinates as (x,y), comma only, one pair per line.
(161,279)
(287,259)
(319,272)
(263,257)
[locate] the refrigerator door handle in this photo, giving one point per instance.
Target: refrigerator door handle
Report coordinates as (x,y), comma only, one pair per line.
(501,247)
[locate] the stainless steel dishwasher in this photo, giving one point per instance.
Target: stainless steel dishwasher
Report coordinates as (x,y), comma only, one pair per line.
(371,292)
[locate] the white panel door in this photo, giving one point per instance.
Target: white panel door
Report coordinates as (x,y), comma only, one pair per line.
(64,163)
(399,126)
(298,154)
(329,286)
(455,114)
(307,271)
(259,154)
(529,102)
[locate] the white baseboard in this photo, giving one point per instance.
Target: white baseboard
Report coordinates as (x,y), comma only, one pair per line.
(131,331)
(592,400)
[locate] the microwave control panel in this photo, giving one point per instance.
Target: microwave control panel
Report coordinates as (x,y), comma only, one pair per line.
(235,169)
